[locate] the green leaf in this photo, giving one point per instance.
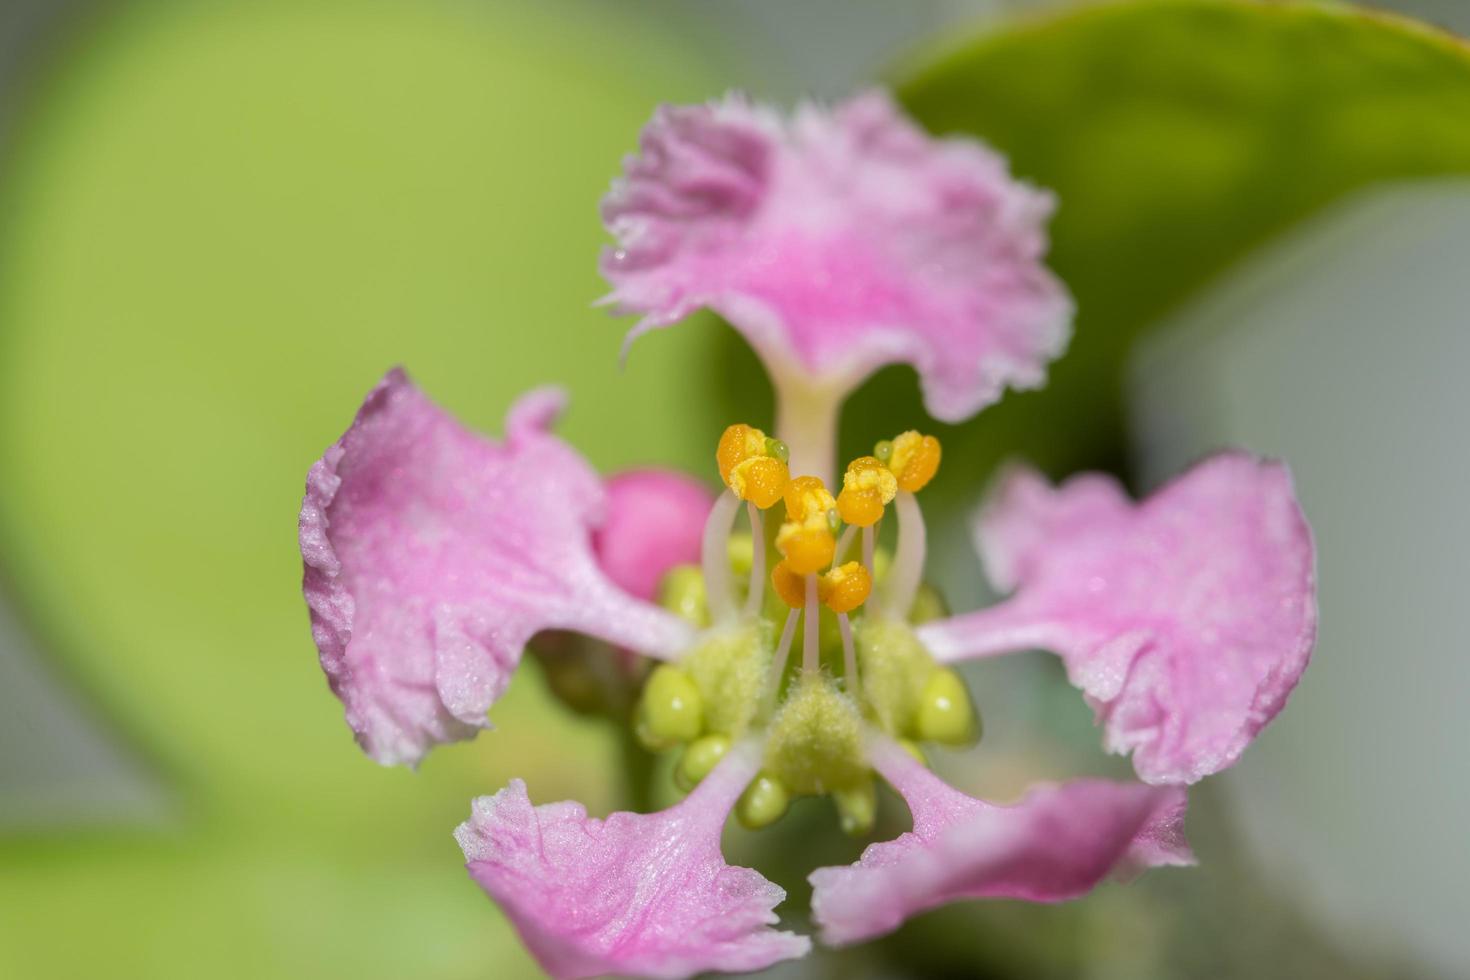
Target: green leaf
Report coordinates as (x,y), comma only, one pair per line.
(1177,136)
(223,223)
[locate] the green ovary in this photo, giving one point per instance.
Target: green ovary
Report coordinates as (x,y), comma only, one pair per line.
(730,668)
(814,744)
(894,668)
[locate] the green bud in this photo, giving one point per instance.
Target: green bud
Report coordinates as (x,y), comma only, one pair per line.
(834,520)
(857,807)
(682,593)
(777,448)
(928,604)
(763,803)
(946,714)
(699,759)
(884,450)
(882,561)
(583,673)
(741,550)
(576,686)
(670,709)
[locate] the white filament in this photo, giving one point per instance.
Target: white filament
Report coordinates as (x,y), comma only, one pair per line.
(849,656)
(757,592)
(810,612)
(908,557)
(778,663)
(843,543)
(715,557)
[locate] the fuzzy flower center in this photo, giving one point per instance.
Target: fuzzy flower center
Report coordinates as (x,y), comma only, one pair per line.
(808,657)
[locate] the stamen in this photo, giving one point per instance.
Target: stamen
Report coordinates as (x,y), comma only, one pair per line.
(757,594)
(867,487)
(908,557)
(714,556)
(778,663)
(869,533)
(849,656)
(806,539)
(845,587)
(810,653)
(843,543)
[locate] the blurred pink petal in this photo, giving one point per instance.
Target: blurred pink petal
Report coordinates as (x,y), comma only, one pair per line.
(655,520)
(837,241)
(432,555)
(1056,844)
(645,895)
(1186,619)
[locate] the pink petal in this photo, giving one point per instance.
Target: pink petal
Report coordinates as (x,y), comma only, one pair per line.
(840,240)
(432,555)
(1187,619)
(1055,844)
(655,520)
(645,895)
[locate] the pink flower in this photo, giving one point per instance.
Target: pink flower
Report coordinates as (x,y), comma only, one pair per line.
(638,895)
(836,241)
(1055,844)
(432,555)
(1187,619)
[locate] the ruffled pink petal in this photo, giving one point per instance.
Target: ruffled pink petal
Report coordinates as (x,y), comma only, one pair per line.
(646,895)
(1186,619)
(840,240)
(1055,844)
(655,520)
(432,555)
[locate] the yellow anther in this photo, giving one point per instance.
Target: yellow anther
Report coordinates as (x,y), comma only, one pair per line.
(869,474)
(738,443)
(845,587)
(863,508)
(789,586)
(752,466)
(760,479)
(867,487)
(807,496)
(913,459)
(808,547)
(806,538)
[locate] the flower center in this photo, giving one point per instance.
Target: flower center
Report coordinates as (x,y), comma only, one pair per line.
(805,659)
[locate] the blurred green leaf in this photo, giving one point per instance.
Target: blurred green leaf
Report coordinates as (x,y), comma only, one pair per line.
(224,223)
(1177,136)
